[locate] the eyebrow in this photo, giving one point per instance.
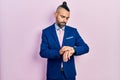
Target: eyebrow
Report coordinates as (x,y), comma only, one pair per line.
(64,16)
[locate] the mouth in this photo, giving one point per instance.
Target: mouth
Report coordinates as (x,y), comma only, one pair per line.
(63,23)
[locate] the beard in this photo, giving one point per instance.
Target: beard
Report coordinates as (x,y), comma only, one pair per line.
(61,24)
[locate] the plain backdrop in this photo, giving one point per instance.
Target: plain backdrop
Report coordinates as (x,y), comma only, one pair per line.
(21,24)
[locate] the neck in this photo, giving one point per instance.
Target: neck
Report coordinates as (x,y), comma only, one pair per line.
(59,25)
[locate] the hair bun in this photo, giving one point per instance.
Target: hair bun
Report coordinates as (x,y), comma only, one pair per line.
(64,3)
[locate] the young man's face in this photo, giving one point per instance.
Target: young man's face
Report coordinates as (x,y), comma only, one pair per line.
(62,17)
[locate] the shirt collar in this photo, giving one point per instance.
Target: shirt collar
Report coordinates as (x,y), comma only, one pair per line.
(57,27)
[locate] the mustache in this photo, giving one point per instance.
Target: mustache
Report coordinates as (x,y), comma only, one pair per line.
(63,22)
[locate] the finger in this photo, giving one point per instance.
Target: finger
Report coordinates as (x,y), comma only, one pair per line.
(61,52)
(65,48)
(68,55)
(65,58)
(68,48)
(62,49)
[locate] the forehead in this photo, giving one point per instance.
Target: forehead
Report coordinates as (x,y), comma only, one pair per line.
(63,12)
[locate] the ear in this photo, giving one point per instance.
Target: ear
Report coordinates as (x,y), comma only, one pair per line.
(55,14)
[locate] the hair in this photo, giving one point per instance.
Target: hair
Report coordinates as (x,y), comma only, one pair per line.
(64,5)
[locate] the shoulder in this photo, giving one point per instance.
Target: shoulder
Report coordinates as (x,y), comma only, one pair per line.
(48,28)
(70,28)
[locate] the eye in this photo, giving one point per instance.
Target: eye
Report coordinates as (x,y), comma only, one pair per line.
(67,18)
(62,16)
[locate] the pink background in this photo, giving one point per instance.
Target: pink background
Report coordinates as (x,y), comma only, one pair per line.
(21,22)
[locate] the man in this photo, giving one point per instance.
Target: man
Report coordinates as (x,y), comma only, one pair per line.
(60,43)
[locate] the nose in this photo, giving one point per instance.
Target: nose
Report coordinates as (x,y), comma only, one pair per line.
(65,20)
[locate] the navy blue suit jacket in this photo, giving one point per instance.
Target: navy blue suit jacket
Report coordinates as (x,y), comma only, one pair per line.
(50,49)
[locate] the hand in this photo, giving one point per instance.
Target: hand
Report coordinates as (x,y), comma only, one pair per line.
(67,52)
(67,48)
(65,56)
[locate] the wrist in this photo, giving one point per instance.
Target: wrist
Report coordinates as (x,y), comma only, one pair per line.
(74,49)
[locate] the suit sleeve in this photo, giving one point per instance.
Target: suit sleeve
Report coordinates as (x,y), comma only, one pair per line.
(80,46)
(45,51)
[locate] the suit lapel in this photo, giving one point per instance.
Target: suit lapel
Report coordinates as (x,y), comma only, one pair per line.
(66,33)
(54,34)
